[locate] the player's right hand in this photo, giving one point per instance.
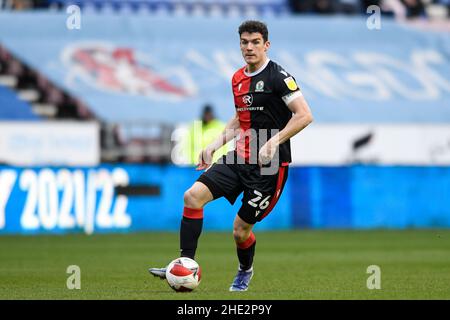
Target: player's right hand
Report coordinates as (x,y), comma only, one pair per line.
(205,158)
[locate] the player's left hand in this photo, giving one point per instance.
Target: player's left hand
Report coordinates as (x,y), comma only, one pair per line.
(205,158)
(266,153)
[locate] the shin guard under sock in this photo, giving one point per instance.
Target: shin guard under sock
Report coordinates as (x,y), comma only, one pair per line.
(246,252)
(190,230)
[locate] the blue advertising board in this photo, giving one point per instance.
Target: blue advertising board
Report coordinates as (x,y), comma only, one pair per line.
(59,200)
(109,198)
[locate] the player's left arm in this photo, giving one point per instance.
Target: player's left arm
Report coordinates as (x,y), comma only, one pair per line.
(301,118)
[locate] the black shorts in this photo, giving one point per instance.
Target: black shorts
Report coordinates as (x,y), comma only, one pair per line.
(261,192)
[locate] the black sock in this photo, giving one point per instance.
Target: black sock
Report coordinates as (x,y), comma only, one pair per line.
(246,256)
(246,252)
(190,231)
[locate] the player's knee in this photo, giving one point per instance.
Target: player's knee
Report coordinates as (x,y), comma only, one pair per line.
(192,199)
(240,234)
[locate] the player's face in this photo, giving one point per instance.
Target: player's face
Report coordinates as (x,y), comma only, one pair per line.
(254,48)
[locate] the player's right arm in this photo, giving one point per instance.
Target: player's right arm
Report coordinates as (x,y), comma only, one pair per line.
(228,134)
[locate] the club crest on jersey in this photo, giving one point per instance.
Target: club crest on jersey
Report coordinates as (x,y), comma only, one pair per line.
(259,86)
(247,99)
(291,84)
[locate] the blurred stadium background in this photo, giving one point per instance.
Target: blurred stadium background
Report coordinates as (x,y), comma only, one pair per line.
(92,118)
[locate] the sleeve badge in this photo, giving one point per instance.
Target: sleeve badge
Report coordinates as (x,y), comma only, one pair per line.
(291,84)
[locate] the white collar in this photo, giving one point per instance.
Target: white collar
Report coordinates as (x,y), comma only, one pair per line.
(254,73)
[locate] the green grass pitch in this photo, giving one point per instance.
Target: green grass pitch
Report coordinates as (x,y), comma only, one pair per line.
(304,264)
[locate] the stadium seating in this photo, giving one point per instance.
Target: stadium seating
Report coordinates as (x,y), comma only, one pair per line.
(181,8)
(12,108)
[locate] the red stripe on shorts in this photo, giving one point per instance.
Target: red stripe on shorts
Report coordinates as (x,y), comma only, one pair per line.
(274,200)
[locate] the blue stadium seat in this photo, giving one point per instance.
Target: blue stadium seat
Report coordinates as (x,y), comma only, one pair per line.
(182,7)
(12,108)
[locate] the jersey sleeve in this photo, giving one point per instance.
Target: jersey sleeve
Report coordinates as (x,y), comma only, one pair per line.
(286,87)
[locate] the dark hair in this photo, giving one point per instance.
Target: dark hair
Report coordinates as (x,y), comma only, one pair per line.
(252,26)
(207,108)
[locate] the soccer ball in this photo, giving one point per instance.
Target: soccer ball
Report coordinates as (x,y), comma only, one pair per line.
(183,274)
